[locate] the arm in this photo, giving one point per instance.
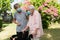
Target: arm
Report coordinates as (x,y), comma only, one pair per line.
(37,23)
(27,27)
(14,20)
(35,32)
(27,17)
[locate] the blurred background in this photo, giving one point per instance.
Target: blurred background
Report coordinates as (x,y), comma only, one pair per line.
(49,10)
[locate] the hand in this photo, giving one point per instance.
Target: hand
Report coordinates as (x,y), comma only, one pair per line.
(18,24)
(13,38)
(34,33)
(23,31)
(25,28)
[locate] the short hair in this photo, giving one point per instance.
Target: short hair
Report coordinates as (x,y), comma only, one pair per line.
(16,6)
(31,7)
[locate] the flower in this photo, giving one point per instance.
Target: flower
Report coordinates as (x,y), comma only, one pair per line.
(27,3)
(41,7)
(45,4)
(45,11)
(52,8)
(24,8)
(55,14)
(47,1)
(55,10)
(48,10)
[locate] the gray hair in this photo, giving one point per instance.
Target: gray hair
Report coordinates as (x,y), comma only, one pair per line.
(31,7)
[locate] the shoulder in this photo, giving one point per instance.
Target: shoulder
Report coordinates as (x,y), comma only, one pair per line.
(15,13)
(36,12)
(24,12)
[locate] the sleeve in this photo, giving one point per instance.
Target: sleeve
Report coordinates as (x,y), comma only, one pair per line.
(28,23)
(14,15)
(24,12)
(38,23)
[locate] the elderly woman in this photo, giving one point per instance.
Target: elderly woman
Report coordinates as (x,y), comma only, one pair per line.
(34,24)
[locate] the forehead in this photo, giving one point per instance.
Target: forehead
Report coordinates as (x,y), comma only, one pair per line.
(18,5)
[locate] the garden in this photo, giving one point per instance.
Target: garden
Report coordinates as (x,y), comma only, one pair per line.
(50,14)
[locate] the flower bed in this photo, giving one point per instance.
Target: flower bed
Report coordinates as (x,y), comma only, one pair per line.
(49,11)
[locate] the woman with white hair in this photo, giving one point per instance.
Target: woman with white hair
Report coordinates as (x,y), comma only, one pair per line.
(34,24)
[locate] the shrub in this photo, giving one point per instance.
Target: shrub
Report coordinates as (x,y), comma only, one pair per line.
(0,23)
(49,10)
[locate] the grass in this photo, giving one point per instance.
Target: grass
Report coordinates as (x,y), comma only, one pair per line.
(3,26)
(50,34)
(53,33)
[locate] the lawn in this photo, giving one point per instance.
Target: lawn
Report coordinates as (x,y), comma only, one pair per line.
(53,33)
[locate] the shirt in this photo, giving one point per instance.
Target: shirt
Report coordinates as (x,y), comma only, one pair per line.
(21,18)
(35,22)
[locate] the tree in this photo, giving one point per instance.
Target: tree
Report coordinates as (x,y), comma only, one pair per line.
(4,5)
(11,1)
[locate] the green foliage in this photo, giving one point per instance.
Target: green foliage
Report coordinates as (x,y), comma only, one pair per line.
(11,1)
(37,3)
(0,22)
(4,5)
(46,19)
(55,4)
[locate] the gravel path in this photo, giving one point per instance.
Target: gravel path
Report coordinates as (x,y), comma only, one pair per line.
(53,33)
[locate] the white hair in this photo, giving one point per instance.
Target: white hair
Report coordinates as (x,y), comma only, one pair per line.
(31,7)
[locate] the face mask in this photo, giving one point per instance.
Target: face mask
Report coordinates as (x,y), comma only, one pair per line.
(28,12)
(19,10)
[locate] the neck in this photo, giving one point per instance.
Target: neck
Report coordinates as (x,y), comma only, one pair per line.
(31,14)
(19,13)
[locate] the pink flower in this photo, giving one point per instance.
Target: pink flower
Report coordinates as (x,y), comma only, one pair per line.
(47,1)
(55,10)
(51,7)
(48,10)
(24,8)
(45,11)
(55,14)
(41,7)
(27,2)
(45,4)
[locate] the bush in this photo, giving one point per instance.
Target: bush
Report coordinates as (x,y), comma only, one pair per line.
(0,23)
(50,11)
